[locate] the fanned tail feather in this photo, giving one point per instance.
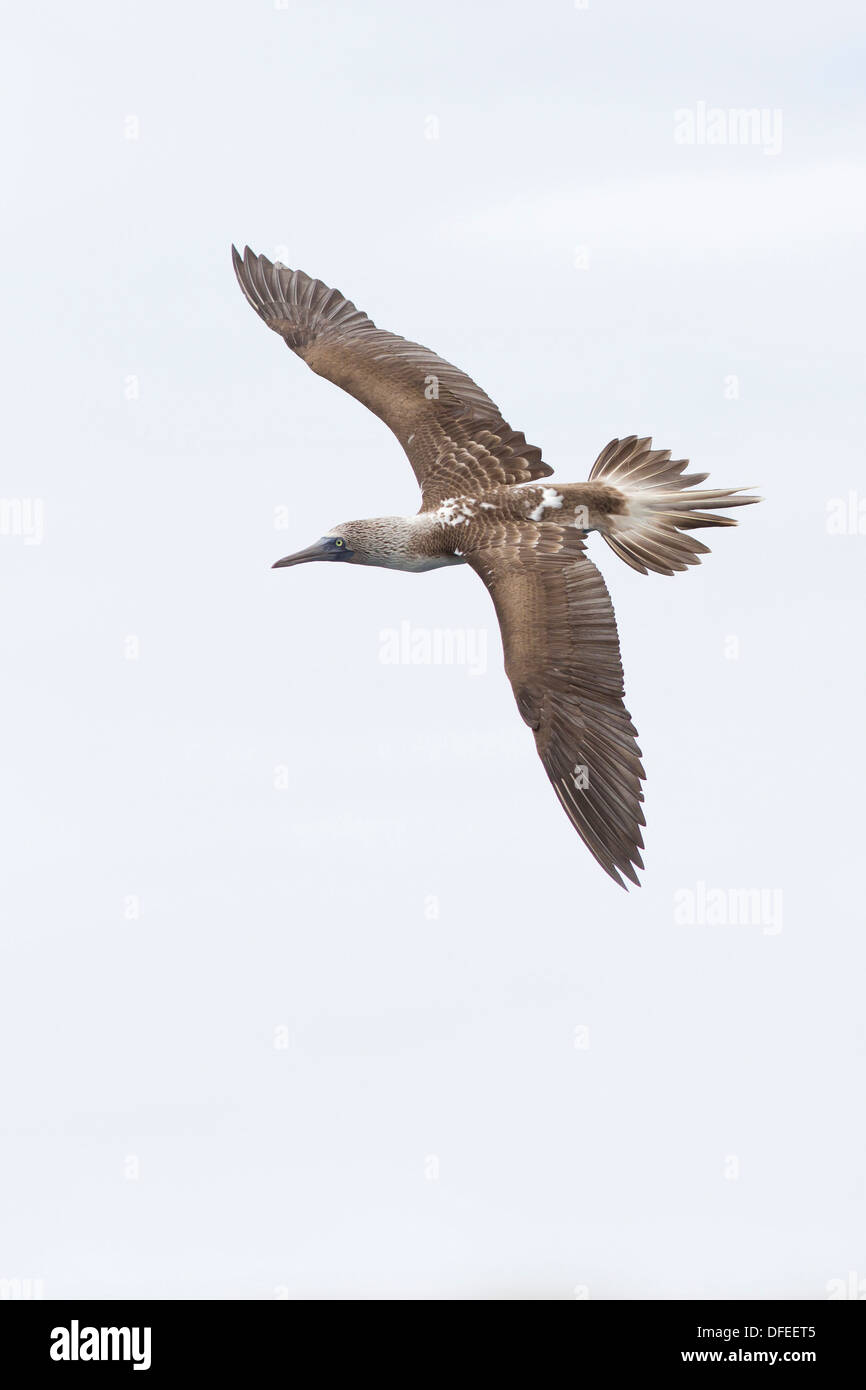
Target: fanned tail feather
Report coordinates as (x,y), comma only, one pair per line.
(660,506)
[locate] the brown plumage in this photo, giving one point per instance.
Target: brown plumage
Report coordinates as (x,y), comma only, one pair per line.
(484,504)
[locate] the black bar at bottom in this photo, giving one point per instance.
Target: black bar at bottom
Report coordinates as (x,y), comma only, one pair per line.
(72,1337)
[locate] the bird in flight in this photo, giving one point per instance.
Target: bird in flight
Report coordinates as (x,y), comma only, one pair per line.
(485,503)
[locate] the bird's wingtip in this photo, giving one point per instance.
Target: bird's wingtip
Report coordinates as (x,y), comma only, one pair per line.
(620,872)
(629,868)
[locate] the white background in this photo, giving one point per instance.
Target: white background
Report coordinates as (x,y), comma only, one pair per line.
(709,1140)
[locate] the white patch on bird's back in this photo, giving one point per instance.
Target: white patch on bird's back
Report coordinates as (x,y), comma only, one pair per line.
(455,510)
(551,500)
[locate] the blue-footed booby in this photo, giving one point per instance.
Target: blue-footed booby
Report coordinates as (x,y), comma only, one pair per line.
(484,503)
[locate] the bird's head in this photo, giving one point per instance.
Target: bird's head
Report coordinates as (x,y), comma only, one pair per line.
(378,541)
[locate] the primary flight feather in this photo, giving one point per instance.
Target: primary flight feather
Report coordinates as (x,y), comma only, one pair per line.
(484,503)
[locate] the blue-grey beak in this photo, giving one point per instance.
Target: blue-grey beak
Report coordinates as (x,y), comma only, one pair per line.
(318,551)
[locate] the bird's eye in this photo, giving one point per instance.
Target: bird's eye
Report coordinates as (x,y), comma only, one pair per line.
(338,542)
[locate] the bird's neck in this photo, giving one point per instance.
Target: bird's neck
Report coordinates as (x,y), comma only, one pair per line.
(411,543)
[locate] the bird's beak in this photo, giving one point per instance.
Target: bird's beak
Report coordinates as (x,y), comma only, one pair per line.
(312,552)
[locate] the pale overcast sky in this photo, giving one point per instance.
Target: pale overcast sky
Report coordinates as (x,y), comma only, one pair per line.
(308,988)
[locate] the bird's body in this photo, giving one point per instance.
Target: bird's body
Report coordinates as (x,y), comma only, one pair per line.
(461,525)
(484,504)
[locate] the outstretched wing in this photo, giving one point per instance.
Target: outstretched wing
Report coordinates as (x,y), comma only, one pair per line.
(454,436)
(562,658)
